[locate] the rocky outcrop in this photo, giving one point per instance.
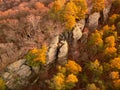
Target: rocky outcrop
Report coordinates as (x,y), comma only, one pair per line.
(77,31)
(16,74)
(16,65)
(106,12)
(63,52)
(52,52)
(93,20)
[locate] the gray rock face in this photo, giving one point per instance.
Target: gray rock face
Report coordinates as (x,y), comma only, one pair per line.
(24,71)
(93,21)
(51,55)
(16,74)
(106,12)
(16,65)
(63,52)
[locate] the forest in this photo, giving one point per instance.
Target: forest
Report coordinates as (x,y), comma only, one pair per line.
(59,44)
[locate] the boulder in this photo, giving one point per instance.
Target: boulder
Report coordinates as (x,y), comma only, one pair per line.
(93,20)
(63,52)
(51,55)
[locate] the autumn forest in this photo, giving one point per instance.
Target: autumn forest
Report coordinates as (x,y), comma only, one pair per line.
(59,44)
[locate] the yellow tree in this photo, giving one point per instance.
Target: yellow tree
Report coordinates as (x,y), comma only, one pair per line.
(69,11)
(58,82)
(96,39)
(66,78)
(70,22)
(98,5)
(110,41)
(110,49)
(36,56)
(70,14)
(73,67)
(56,10)
(82,8)
(96,67)
(115,63)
